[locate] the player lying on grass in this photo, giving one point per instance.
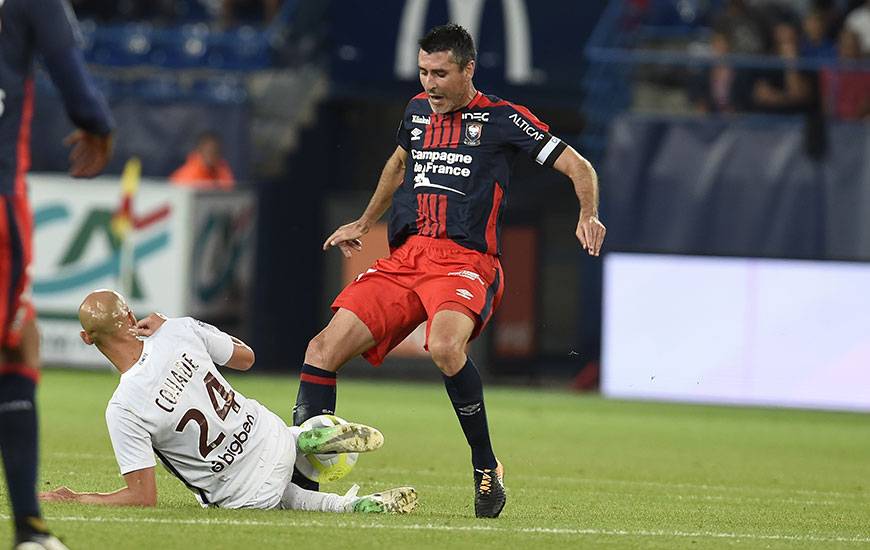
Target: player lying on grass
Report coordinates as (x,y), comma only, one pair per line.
(232,452)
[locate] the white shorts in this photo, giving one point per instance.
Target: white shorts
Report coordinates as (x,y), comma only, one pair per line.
(268,496)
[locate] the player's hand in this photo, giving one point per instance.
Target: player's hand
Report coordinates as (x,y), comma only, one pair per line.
(61,494)
(346,238)
(149,325)
(90,153)
(590,232)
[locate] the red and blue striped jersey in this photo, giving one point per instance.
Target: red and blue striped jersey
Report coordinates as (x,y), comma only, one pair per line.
(458,170)
(48,28)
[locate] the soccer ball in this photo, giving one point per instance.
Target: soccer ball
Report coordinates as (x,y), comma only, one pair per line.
(325,467)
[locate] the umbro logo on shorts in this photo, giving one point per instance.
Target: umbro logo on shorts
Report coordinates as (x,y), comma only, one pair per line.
(464,293)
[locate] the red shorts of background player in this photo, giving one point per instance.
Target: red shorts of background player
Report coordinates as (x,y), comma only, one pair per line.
(421,277)
(15,254)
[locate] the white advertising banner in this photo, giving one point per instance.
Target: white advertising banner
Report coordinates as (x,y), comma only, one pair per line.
(76,251)
(737,331)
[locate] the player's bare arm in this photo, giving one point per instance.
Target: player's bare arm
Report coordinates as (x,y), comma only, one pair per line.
(141,490)
(346,237)
(243,356)
(590,231)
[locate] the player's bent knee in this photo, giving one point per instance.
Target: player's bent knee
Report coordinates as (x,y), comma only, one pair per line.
(316,353)
(448,354)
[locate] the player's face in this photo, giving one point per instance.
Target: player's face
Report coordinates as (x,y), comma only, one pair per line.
(448,86)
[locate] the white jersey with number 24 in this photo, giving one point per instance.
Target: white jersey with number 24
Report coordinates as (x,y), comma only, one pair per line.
(174,403)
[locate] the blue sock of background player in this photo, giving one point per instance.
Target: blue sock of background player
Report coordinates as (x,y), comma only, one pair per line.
(18,443)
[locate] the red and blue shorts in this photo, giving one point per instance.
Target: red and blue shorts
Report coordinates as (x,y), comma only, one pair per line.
(16,308)
(423,276)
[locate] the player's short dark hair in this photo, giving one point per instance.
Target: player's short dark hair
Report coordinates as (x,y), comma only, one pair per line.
(452,38)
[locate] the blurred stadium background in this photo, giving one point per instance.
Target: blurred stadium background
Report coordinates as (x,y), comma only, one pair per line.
(730,138)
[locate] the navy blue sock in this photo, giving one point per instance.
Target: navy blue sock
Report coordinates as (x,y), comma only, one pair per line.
(466,393)
(18,443)
(316,394)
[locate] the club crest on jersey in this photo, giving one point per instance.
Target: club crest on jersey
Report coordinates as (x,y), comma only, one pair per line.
(472,133)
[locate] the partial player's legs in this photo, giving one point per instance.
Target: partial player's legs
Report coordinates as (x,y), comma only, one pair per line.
(448,335)
(343,338)
(19,374)
(372,315)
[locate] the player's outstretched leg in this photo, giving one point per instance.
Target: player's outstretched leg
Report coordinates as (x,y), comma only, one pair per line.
(401,500)
(343,438)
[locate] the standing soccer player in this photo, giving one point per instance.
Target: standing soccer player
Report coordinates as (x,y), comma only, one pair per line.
(28,27)
(447,182)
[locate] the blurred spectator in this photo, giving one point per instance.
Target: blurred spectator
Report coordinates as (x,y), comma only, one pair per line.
(788,90)
(205,168)
(257,12)
(720,88)
(746,28)
(858,22)
(847,92)
(817,42)
(801,7)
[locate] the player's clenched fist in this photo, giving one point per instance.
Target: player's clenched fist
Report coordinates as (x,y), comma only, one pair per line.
(149,325)
(590,232)
(90,153)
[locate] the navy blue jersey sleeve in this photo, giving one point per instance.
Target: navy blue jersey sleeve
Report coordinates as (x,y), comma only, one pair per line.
(55,30)
(525,131)
(403,136)
(54,25)
(403,133)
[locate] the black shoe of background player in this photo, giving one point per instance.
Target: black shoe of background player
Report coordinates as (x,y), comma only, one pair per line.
(489,493)
(303,481)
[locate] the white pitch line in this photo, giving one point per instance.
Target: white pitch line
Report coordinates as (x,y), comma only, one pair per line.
(662,484)
(660,496)
(471,528)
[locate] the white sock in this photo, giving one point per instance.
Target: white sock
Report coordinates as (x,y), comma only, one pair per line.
(297,498)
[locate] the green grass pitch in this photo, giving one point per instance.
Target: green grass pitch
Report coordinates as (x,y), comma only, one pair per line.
(582,472)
